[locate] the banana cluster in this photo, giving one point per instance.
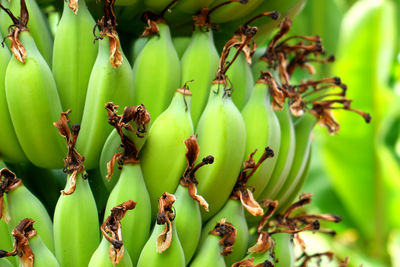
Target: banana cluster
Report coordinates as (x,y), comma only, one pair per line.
(144,130)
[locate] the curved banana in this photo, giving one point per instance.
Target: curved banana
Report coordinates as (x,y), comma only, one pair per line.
(10,150)
(262,129)
(200,63)
(73,57)
(5,242)
(38,27)
(6,263)
(303,129)
(163,247)
(21,203)
(188,223)
(111,251)
(286,155)
(76,234)
(181,43)
(166,138)
(156,71)
(236,10)
(110,80)
(284,251)
(34,106)
(130,185)
(4,19)
(29,247)
(217,245)
(137,47)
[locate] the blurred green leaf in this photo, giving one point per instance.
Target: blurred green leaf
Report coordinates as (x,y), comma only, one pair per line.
(354,159)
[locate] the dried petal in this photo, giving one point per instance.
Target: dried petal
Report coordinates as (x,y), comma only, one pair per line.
(227,232)
(73,5)
(165,216)
(9,182)
(264,243)
(251,205)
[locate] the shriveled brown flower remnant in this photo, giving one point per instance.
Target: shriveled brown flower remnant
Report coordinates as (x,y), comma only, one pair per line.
(8,182)
(152,20)
(227,232)
(111,230)
(240,190)
(73,162)
(318,256)
(140,118)
(165,216)
(189,176)
(22,233)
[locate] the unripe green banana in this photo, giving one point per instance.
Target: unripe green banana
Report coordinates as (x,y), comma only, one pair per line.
(38,98)
(166,137)
(21,204)
(110,81)
(31,250)
(188,223)
(241,78)
(236,10)
(286,154)
(262,129)
(6,263)
(38,27)
(163,247)
(111,251)
(303,129)
(137,47)
(284,251)
(4,19)
(222,133)
(156,71)
(76,234)
(5,242)
(10,150)
(181,43)
(212,251)
(202,51)
(73,57)
(191,7)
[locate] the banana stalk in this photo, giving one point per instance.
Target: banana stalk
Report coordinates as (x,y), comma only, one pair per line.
(34,106)
(10,150)
(110,80)
(131,184)
(188,225)
(76,234)
(166,138)
(163,246)
(73,56)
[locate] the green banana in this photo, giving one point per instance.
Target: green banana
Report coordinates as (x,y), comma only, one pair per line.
(166,137)
(73,56)
(284,251)
(37,26)
(286,155)
(303,129)
(156,5)
(163,247)
(110,80)
(188,223)
(262,129)
(130,185)
(111,250)
(191,7)
(10,150)
(6,263)
(38,98)
(137,47)
(213,250)
(53,18)
(4,19)
(31,250)
(200,63)
(156,71)
(236,10)
(181,43)
(5,240)
(76,234)
(21,203)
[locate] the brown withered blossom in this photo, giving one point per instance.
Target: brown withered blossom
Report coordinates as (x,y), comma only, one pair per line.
(165,216)
(227,232)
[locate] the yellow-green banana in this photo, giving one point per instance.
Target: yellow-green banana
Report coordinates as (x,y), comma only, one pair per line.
(29,247)
(217,244)
(163,247)
(35,105)
(166,140)
(284,251)
(181,43)
(38,27)
(73,57)
(262,129)
(137,47)
(110,81)
(286,155)
(188,223)
(156,71)
(21,203)
(200,63)
(111,251)
(236,10)
(76,224)
(10,150)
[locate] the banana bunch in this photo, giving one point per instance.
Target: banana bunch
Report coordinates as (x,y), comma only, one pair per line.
(246,115)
